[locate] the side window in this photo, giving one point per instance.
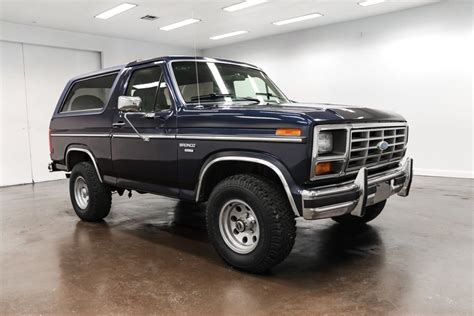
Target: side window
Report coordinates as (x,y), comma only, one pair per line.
(89,94)
(144,84)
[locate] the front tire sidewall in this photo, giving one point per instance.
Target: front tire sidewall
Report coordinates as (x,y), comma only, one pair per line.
(241,261)
(277,226)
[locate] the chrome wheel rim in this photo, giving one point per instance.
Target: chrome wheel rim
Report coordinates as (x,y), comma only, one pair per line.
(81,192)
(239,226)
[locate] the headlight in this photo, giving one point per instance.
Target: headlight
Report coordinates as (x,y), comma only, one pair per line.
(330,145)
(325,142)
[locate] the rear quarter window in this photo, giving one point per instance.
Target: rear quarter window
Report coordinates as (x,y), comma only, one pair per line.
(89,94)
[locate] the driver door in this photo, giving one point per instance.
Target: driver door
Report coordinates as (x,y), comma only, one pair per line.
(149,166)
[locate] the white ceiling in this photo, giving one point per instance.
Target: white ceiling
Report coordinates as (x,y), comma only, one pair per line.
(77,15)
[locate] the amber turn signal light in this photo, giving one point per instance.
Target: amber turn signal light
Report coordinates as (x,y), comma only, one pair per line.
(323,168)
(288,132)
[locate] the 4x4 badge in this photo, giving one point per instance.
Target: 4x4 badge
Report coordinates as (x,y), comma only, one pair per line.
(383,145)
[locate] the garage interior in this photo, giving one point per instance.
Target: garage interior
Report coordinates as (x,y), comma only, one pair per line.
(152,254)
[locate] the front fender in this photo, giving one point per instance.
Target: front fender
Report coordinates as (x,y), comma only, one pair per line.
(288,184)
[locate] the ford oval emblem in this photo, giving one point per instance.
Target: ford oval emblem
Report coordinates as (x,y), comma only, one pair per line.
(383,145)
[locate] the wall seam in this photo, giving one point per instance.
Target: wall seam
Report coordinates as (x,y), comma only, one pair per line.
(28,132)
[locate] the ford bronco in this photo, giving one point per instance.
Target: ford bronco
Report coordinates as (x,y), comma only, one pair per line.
(221,132)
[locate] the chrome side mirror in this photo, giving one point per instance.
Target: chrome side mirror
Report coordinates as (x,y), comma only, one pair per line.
(129,104)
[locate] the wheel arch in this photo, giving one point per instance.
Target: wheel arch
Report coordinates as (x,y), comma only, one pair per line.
(271,164)
(84,152)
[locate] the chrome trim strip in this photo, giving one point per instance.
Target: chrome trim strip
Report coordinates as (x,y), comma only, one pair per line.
(278,139)
(80,135)
(90,155)
(370,125)
(255,160)
(150,136)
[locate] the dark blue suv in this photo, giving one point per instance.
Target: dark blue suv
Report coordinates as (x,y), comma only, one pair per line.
(221,132)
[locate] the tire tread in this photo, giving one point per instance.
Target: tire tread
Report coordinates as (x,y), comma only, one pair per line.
(283,225)
(100,196)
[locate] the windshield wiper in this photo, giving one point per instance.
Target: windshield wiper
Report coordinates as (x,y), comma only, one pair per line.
(247,99)
(210,96)
(214,96)
(268,95)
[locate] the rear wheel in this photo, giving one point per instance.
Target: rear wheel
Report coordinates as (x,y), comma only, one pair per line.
(249,223)
(371,212)
(90,198)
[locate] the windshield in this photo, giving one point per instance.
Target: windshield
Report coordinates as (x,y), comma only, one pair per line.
(201,82)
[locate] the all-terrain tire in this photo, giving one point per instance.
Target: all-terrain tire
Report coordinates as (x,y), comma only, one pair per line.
(99,197)
(371,212)
(276,221)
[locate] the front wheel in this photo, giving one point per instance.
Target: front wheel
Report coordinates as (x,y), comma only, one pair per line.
(371,212)
(90,198)
(249,223)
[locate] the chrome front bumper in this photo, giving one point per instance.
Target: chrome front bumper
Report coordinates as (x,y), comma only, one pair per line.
(353,197)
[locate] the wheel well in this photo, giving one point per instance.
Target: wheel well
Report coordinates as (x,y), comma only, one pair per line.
(74,157)
(223,169)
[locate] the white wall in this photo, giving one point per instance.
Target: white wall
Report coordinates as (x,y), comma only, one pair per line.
(35,65)
(115,51)
(46,71)
(15,160)
(33,77)
(417,62)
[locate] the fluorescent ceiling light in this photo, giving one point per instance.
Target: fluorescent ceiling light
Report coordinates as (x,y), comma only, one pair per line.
(370,2)
(115,10)
(218,37)
(243,5)
(179,24)
(298,19)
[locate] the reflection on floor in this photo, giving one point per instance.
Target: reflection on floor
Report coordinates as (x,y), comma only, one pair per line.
(151,255)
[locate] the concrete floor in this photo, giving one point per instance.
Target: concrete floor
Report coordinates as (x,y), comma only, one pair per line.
(151,255)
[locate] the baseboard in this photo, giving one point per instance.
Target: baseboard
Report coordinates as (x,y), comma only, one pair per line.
(444,173)
(26,183)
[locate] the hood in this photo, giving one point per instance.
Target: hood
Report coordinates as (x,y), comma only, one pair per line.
(239,115)
(325,112)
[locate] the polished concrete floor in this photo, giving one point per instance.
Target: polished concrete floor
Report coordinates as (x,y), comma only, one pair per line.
(151,255)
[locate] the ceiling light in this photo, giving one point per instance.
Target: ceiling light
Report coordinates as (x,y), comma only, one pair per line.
(115,10)
(179,24)
(243,5)
(298,19)
(218,37)
(370,2)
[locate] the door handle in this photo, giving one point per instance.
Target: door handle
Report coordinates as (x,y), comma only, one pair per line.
(118,124)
